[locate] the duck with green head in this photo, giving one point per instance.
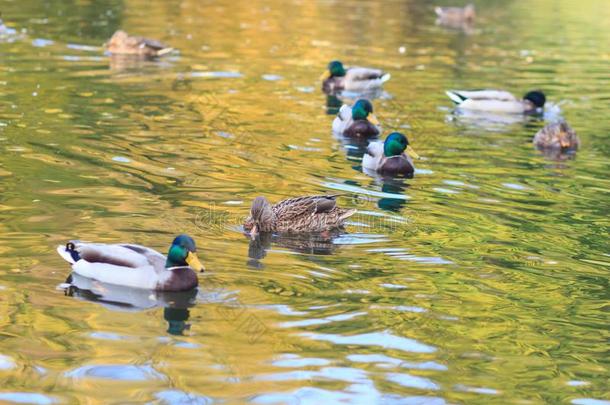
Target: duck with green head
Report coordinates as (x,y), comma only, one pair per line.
(357,79)
(357,121)
(136,266)
(498,101)
(388,158)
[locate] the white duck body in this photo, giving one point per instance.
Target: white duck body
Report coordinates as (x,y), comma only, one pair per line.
(126,265)
(359,79)
(343,119)
(488,100)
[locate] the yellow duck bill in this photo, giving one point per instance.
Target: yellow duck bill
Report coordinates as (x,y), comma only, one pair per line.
(325,75)
(193,261)
(372,119)
(411,152)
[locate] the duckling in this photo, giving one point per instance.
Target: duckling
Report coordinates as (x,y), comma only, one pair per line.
(455,16)
(122,44)
(558,135)
(357,121)
(388,158)
(136,266)
(318,213)
(357,79)
(498,101)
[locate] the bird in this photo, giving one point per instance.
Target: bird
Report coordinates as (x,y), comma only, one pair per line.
(455,16)
(357,121)
(307,214)
(356,79)
(557,135)
(388,158)
(122,44)
(498,101)
(136,266)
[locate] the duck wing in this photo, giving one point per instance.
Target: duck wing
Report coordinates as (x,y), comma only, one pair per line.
(458,96)
(300,206)
(373,155)
(122,255)
(363,74)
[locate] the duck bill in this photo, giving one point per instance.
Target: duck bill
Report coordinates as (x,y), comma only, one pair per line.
(411,152)
(193,261)
(372,119)
(254,232)
(325,75)
(564,144)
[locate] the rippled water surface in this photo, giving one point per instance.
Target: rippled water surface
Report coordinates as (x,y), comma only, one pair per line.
(484,279)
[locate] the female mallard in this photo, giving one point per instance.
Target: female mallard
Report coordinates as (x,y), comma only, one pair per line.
(455,16)
(357,79)
(388,158)
(357,121)
(316,213)
(558,135)
(498,101)
(122,44)
(136,266)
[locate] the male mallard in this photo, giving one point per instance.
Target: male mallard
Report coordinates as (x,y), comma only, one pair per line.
(455,16)
(558,135)
(136,266)
(357,121)
(356,79)
(318,213)
(498,101)
(388,158)
(122,44)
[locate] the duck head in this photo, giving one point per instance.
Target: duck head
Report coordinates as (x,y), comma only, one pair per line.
(536,98)
(335,69)
(262,216)
(182,253)
(395,144)
(363,110)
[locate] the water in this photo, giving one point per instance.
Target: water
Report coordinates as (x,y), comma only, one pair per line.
(482,280)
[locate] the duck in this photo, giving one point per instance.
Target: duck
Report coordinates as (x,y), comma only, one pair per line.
(122,44)
(498,101)
(136,266)
(388,158)
(557,135)
(356,79)
(306,214)
(455,16)
(357,121)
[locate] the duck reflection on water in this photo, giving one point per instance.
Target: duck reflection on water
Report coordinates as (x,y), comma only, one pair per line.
(120,298)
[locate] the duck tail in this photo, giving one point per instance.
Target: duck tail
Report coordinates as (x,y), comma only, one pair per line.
(68,252)
(455,96)
(347,214)
(164,51)
(385,77)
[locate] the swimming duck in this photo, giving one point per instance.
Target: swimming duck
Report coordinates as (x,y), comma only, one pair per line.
(388,158)
(136,266)
(498,101)
(356,79)
(122,44)
(357,121)
(318,213)
(558,135)
(455,16)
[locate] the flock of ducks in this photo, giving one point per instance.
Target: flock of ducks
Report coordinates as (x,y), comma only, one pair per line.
(141,267)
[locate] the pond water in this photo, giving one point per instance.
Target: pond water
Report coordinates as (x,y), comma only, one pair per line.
(484,279)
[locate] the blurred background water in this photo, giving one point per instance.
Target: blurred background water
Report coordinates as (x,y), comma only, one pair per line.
(482,280)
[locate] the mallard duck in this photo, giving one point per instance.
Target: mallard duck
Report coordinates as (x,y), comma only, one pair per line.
(357,121)
(318,213)
(455,16)
(122,44)
(357,79)
(136,266)
(558,135)
(498,101)
(388,158)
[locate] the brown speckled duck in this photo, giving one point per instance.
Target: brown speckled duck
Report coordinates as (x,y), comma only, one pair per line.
(318,213)
(122,44)
(558,135)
